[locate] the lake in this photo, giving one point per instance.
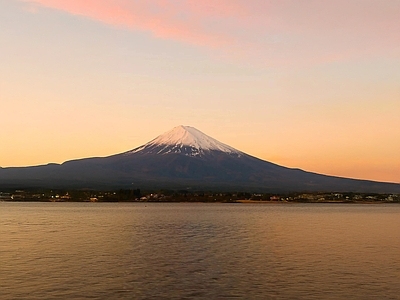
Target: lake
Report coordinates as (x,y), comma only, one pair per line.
(199,251)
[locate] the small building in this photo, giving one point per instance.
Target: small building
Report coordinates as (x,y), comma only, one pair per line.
(5,196)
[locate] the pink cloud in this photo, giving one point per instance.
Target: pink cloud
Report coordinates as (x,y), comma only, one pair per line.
(221,8)
(180,20)
(273,32)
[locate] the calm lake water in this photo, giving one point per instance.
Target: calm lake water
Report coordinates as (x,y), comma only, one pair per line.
(199,251)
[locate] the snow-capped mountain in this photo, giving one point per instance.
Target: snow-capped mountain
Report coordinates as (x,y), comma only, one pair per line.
(183,158)
(185,140)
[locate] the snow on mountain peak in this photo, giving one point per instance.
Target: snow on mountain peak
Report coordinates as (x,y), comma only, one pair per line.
(187,140)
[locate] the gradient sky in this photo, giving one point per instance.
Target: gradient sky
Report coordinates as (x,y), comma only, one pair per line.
(312,84)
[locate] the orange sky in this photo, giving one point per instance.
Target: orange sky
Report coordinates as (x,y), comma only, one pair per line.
(313,85)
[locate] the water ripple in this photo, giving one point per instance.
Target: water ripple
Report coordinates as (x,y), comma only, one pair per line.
(198,251)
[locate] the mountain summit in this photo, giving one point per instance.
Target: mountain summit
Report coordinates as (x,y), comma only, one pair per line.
(185,140)
(184,158)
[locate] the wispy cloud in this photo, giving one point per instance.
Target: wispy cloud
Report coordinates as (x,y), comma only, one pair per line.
(273,32)
(176,20)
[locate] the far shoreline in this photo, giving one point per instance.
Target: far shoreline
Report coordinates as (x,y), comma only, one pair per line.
(244,201)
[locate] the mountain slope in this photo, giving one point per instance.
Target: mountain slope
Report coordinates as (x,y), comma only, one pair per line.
(184,158)
(185,140)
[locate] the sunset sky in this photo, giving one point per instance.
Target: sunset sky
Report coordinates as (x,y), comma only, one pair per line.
(311,84)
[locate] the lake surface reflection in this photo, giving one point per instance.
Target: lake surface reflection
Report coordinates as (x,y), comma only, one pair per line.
(200,251)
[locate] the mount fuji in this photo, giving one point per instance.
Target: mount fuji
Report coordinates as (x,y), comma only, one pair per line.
(183,158)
